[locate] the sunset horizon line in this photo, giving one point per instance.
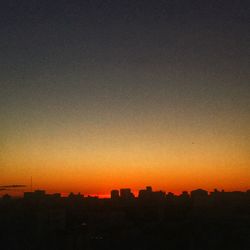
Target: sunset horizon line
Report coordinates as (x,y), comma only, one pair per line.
(135,192)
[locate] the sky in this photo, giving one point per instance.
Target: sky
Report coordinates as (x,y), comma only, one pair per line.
(99,95)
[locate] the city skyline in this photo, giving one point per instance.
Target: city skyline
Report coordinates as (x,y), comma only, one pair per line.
(153,220)
(20,190)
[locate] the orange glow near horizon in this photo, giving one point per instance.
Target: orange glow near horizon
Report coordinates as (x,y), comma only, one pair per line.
(134,160)
(95,147)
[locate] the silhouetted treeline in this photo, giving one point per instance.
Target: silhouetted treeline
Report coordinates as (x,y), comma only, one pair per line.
(153,220)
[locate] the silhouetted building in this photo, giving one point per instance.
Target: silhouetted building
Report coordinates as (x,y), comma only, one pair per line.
(158,196)
(184,194)
(73,196)
(170,196)
(39,193)
(6,197)
(114,194)
(200,197)
(199,193)
(36,195)
(145,194)
(125,193)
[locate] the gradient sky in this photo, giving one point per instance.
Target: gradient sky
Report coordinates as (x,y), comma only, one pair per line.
(96,95)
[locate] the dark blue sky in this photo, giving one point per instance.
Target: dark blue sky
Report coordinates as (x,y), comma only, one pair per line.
(174,42)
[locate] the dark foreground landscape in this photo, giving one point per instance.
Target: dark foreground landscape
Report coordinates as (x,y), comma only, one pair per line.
(153,220)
